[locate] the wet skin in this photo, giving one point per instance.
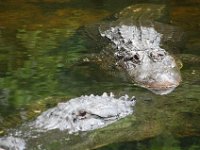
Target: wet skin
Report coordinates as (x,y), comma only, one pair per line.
(138,50)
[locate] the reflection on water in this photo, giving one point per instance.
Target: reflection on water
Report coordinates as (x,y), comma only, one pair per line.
(40,48)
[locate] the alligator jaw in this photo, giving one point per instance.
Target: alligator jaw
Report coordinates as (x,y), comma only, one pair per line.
(164,86)
(162,89)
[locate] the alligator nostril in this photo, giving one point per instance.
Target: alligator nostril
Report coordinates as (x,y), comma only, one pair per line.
(162,54)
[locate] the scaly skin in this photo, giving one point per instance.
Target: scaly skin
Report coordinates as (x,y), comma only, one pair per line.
(83,113)
(137,43)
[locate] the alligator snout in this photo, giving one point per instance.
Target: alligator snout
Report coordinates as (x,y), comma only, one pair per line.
(165,83)
(160,76)
(163,86)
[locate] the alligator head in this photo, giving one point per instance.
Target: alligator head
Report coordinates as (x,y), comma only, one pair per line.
(85,113)
(138,52)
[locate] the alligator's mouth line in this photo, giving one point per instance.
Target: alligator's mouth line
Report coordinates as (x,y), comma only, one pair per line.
(160,89)
(163,86)
(88,115)
(159,86)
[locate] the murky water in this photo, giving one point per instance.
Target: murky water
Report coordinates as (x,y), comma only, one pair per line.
(40,51)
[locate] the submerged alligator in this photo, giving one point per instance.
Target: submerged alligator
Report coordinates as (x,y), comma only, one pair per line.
(84,113)
(135,44)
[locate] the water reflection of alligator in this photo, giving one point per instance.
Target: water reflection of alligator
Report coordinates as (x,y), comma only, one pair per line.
(137,39)
(79,114)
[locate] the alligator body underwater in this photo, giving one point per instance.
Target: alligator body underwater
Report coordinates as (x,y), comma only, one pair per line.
(83,113)
(135,43)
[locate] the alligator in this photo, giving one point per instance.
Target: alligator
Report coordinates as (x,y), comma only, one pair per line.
(134,46)
(135,43)
(83,113)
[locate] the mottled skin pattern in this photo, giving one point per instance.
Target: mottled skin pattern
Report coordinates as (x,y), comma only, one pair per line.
(139,54)
(135,41)
(83,113)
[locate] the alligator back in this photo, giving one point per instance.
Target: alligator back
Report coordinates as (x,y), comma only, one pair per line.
(140,15)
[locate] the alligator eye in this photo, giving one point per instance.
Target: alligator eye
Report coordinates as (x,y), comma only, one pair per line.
(82,113)
(136,57)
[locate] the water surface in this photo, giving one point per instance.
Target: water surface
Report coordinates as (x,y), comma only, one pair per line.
(39,67)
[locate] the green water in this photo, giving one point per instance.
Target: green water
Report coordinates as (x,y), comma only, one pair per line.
(40,51)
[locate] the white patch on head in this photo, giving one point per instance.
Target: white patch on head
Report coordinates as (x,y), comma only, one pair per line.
(133,37)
